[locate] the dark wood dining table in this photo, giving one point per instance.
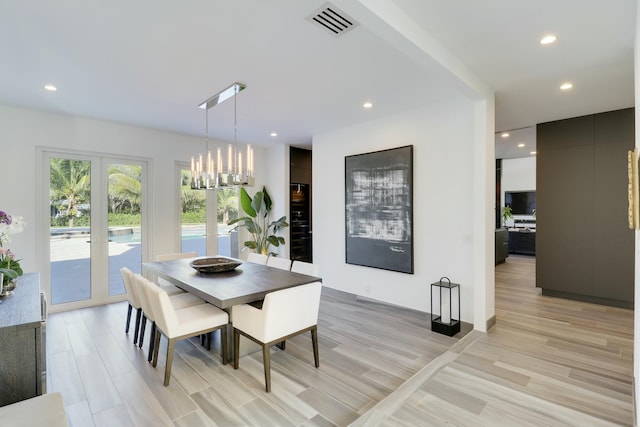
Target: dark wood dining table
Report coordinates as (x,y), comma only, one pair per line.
(247,283)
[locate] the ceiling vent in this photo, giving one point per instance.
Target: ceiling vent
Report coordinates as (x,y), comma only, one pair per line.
(332,20)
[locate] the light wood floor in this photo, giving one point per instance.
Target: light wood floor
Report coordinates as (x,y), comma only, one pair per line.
(547,362)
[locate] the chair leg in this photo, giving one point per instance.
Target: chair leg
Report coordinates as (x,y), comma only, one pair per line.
(314,341)
(282,345)
(266,360)
(223,338)
(156,349)
(152,340)
(126,329)
(137,331)
(208,340)
(142,329)
(167,368)
(236,348)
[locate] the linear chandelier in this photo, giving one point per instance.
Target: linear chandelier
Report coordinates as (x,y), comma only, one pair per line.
(223,170)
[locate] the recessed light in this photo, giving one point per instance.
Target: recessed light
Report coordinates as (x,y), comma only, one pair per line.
(51,88)
(548,39)
(273,134)
(505,134)
(520,145)
(566,86)
(533,153)
(367,105)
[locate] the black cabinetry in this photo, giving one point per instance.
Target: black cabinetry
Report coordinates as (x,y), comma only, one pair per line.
(585,248)
(300,223)
(502,245)
(522,242)
(300,233)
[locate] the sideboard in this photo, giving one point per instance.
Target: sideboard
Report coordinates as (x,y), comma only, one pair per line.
(21,342)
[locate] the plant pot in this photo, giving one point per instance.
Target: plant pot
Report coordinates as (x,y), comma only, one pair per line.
(6,288)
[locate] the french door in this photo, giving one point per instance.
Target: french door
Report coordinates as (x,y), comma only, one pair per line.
(94,223)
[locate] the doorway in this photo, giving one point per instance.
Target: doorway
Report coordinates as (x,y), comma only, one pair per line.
(95,224)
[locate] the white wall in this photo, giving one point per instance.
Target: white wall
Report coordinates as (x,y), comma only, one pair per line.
(22,130)
(442,136)
(277,178)
(518,174)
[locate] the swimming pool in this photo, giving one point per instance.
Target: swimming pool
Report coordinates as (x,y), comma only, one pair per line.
(135,236)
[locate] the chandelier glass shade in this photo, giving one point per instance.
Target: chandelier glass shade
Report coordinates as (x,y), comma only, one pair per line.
(228,167)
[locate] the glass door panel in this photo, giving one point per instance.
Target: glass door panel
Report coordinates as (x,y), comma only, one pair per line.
(193,216)
(124,213)
(227,207)
(70,229)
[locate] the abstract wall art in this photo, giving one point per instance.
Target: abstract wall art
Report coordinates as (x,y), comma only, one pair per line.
(379,209)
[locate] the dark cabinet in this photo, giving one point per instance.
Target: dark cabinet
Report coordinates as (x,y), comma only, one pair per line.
(21,342)
(300,232)
(522,242)
(502,245)
(584,247)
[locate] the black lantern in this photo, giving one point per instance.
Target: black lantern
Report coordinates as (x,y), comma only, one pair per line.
(445,313)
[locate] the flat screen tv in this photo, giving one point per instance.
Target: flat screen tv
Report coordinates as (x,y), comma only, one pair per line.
(521,202)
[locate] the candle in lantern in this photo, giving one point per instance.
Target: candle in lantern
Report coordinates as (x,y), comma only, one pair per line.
(445,316)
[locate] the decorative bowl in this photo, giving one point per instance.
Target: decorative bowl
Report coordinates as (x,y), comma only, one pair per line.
(215,264)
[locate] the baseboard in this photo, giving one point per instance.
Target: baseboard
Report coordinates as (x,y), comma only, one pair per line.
(465,327)
(491,322)
(633,399)
(588,298)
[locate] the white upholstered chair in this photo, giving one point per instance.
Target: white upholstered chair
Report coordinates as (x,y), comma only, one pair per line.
(257,258)
(281,263)
(284,314)
(182,323)
(178,301)
(305,268)
(134,301)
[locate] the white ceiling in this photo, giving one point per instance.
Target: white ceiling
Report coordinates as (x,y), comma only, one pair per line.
(150,63)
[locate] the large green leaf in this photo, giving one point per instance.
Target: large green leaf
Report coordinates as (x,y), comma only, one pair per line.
(267,201)
(256,204)
(246,202)
(9,273)
(274,240)
(244,218)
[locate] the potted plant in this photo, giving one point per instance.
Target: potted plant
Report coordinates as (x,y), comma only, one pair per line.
(507,214)
(258,221)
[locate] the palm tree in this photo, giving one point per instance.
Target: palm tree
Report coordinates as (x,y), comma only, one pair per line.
(227,203)
(192,200)
(71,182)
(125,188)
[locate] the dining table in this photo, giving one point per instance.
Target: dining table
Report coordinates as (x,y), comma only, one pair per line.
(247,283)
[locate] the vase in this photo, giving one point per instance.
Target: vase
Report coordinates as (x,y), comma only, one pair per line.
(6,288)
(9,287)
